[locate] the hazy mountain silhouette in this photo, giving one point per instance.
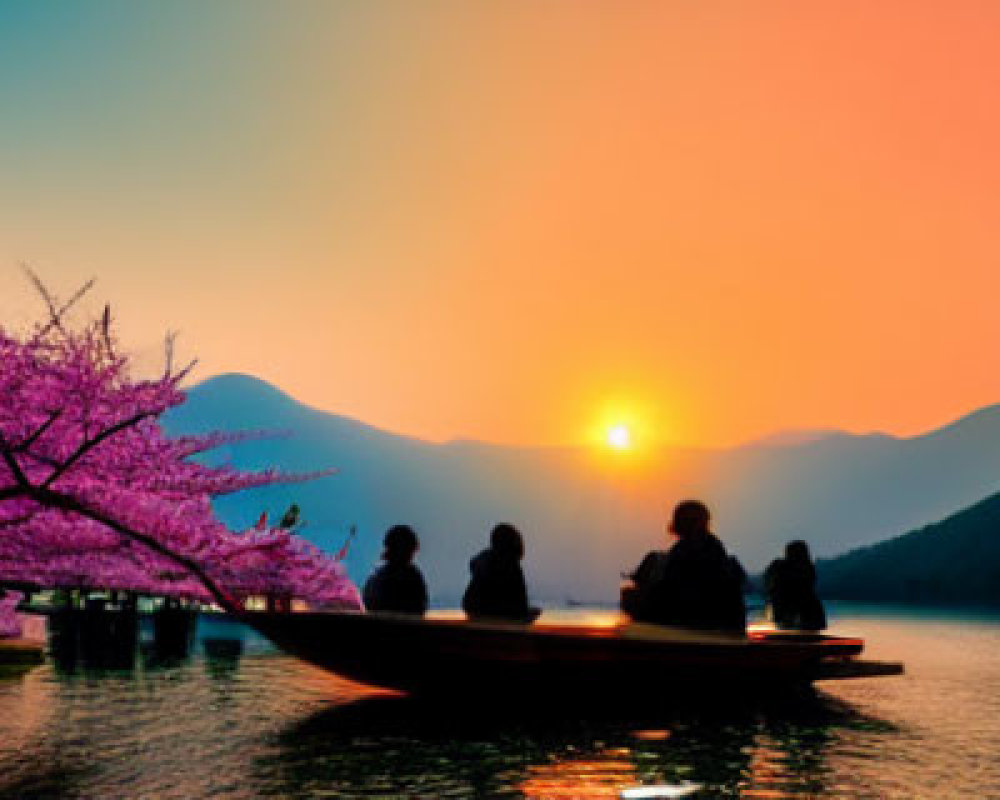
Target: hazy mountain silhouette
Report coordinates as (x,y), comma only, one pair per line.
(794,436)
(587,516)
(956,561)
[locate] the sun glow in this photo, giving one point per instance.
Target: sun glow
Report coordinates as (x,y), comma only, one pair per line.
(620,437)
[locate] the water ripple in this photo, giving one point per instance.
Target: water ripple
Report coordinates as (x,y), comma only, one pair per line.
(267,726)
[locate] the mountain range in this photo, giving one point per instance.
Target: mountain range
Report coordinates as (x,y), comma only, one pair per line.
(586,516)
(952,562)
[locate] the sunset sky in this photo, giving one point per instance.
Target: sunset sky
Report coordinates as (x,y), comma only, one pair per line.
(524,222)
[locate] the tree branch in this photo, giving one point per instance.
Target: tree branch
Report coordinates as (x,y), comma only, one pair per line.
(53,499)
(6,452)
(15,521)
(109,347)
(56,313)
(46,460)
(76,296)
(50,301)
(34,437)
(183,373)
(10,492)
(91,443)
(169,341)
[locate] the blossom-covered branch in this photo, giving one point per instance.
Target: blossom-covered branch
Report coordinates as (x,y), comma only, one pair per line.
(94,494)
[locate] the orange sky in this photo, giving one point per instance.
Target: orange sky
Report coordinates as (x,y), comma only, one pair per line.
(515,222)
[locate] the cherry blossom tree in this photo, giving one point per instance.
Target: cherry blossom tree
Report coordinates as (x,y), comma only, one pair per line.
(94,494)
(9,623)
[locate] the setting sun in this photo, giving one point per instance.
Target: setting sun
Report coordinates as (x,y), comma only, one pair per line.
(620,437)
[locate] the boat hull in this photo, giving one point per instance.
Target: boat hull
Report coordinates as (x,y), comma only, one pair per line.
(459,658)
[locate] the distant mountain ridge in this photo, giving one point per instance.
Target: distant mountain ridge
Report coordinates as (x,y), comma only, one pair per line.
(584,517)
(952,562)
(795,436)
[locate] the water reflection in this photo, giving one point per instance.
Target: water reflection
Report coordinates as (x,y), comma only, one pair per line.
(93,639)
(602,776)
(229,721)
(245,729)
(98,640)
(223,664)
(421,750)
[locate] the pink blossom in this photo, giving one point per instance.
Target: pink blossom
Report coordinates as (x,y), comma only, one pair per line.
(94,494)
(10,625)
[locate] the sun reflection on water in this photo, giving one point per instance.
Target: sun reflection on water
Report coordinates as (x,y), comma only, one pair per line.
(590,778)
(262,724)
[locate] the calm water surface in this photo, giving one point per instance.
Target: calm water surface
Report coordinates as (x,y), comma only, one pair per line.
(264,725)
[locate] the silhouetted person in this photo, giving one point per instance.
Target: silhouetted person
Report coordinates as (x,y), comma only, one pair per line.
(397,585)
(695,584)
(790,583)
(497,589)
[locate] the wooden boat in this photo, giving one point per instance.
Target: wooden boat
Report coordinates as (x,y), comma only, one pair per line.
(459,658)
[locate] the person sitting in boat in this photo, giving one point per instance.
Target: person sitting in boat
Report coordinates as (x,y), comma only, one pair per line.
(695,584)
(397,585)
(790,584)
(497,589)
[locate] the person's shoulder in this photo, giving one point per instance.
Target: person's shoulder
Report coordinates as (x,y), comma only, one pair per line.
(652,567)
(715,541)
(736,568)
(714,545)
(653,557)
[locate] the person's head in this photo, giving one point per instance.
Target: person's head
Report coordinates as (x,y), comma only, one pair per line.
(400,544)
(690,517)
(797,551)
(506,540)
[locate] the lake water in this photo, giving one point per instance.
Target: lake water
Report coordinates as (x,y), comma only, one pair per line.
(264,725)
